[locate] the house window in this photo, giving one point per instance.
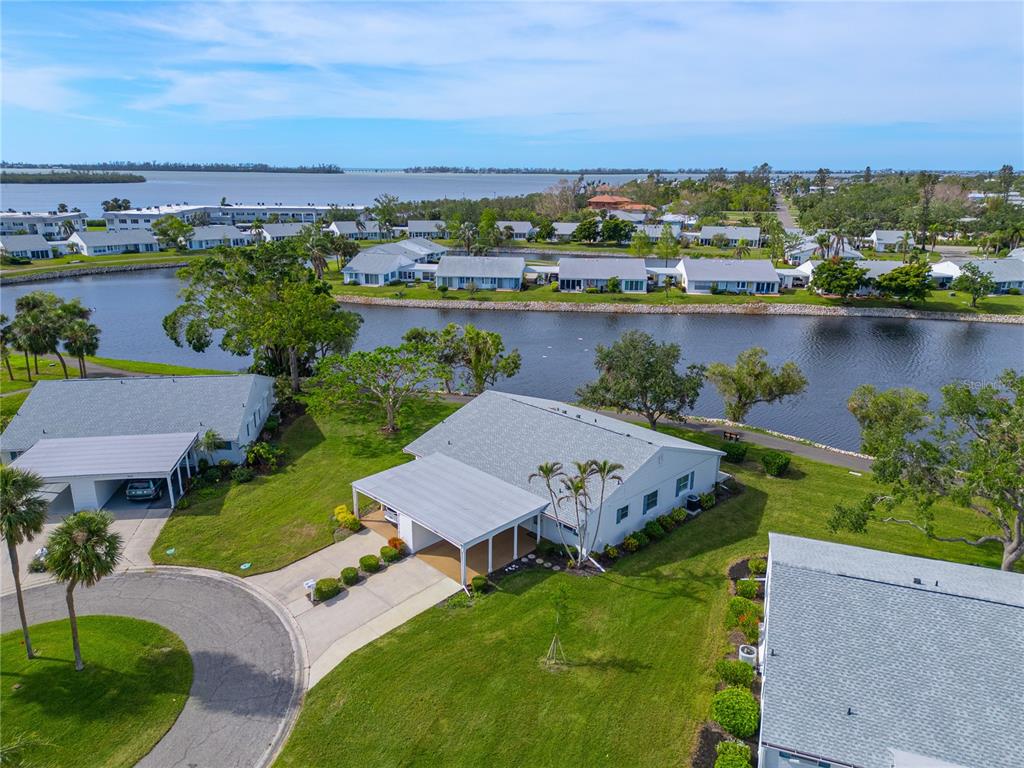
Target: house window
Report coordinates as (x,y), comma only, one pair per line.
(621,514)
(684,483)
(650,501)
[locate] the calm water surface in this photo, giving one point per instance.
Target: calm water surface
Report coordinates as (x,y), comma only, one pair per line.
(836,354)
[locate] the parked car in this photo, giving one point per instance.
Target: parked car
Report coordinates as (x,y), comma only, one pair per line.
(144,490)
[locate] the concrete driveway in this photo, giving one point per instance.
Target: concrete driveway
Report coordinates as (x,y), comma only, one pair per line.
(246,655)
(334,629)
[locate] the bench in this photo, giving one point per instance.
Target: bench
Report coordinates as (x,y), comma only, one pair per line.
(734,436)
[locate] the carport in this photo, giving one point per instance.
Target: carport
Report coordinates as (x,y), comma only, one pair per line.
(95,467)
(438,498)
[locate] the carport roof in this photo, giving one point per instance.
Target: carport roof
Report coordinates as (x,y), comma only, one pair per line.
(107,456)
(457,502)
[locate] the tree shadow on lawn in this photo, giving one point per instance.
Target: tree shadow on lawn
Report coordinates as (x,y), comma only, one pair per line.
(609,662)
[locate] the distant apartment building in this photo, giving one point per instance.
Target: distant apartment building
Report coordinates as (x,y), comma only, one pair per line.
(48,224)
(143,218)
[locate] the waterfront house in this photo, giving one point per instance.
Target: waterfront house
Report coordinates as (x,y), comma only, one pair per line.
(213,235)
(633,217)
(270,233)
(427,228)
(809,249)
(1007,273)
(733,235)
(877,660)
(498,273)
(577,275)
(469,485)
(379,265)
(28,246)
(889,239)
(93,435)
(564,230)
(756,276)
(653,231)
(47,224)
(112,242)
(356,230)
(521,230)
(420,248)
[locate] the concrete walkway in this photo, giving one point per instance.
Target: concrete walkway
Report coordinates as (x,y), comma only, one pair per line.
(247,660)
(361,613)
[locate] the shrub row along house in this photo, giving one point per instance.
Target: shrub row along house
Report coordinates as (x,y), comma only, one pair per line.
(469,490)
(87,437)
(877,660)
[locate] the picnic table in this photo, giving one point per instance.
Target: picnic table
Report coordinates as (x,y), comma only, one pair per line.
(734,436)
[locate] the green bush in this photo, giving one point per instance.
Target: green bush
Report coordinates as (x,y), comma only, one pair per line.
(747,588)
(479,584)
(204,464)
(389,554)
(736,710)
(735,672)
(775,463)
(225,466)
(348,521)
(212,475)
(184,503)
(369,563)
(1013,291)
(546,548)
(610,552)
(758,566)
(707,500)
(325,589)
(263,455)
(667,523)
(654,531)
(242,474)
(349,576)
(679,514)
(744,614)
(732,754)
(38,565)
(735,452)
(630,543)
(271,424)
(642,539)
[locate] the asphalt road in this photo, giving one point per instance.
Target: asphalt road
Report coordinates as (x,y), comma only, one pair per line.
(248,678)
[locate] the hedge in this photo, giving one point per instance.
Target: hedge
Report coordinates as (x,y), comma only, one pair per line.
(736,710)
(735,672)
(325,589)
(735,452)
(775,463)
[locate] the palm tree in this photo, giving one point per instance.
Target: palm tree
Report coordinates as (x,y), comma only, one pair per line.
(6,336)
(466,235)
(607,472)
(81,338)
(837,243)
(904,245)
(22,516)
(550,472)
(742,249)
(822,241)
(67,228)
(82,550)
(209,443)
(575,490)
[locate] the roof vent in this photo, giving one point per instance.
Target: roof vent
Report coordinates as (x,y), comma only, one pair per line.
(849,711)
(917,580)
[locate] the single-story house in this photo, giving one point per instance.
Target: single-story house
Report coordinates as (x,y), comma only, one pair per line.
(633,217)
(729,276)
(110,242)
(279,231)
(27,246)
(379,265)
(732,235)
(356,230)
(542,274)
(1008,273)
(579,274)
(427,228)
(471,477)
(809,249)
(877,660)
(564,230)
(793,278)
(875,269)
(204,238)
(653,231)
(421,248)
(521,230)
(94,434)
(889,239)
(499,273)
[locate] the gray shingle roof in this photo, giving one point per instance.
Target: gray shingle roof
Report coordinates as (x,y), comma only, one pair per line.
(421,246)
(601,269)
(115,237)
(878,267)
(728,270)
(481,266)
(565,227)
(283,228)
(508,436)
(137,405)
(426,225)
(861,660)
(890,236)
(750,234)
(219,232)
(380,260)
(13,243)
(351,228)
(519,227)
(1006,270)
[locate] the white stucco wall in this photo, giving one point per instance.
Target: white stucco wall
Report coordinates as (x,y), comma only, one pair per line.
(415,535)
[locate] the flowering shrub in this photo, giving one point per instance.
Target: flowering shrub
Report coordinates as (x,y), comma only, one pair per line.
(612,553)
(398,545)
(346,519)
(744,614)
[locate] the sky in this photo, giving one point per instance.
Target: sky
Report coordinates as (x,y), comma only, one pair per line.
(540,84)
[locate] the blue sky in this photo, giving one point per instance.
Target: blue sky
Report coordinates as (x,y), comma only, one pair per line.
(902,85)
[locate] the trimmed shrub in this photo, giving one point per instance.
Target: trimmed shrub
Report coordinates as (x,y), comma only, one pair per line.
(667,523)
(758,566)
(349,576)
(654,531)
(744,615)
(479,584)
(325,589)
(242,474)
(736,710)
(346,519)
(630,543)
(775,463)
(369,563)
(734,672)
(707,500)
(679,514)
(735,452)
(642,539)
(610,552)
(389,554)
(442,289)
(747,588)
(398,545)
(732,754)
(212,475)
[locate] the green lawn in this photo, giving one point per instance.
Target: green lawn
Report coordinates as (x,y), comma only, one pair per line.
(136,679)
(280,518)
(460,686)
(48,369)
(78,261)
(157,369)
(938,301)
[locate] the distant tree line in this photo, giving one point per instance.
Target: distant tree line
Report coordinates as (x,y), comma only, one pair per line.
(71,177)
(569,171)
(128,165)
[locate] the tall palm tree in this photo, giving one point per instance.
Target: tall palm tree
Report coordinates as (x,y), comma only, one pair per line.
(67,228)
(607,472)
(574,489)
(6,336)
(466,235)
(904,245)
(22,516)
(81,338)
(837,243)
(82,550)
(550,473)
(822,241)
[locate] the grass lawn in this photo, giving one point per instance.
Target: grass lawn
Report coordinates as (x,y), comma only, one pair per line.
(280,518)
(463,686)
(78,261)
(938,301)
(159,369)
(136,679)
(48,369)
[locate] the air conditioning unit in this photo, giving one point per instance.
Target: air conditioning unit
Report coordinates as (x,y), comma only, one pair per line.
(748,655)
